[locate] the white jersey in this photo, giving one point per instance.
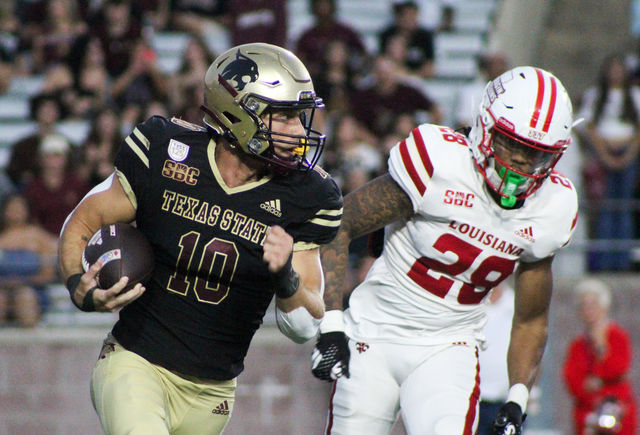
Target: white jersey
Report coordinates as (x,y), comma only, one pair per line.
(436,268)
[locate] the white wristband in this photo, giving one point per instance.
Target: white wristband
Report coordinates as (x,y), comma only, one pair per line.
(519,393)
(332,322)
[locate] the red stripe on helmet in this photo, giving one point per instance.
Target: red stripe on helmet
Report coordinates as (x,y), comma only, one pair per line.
(422,150)
(552,105)
(411,170)
(227,86)
(539,98)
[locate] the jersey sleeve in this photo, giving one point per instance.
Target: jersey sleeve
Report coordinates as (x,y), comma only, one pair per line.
(411,167)
(132,160)
(324,212)
(559,217)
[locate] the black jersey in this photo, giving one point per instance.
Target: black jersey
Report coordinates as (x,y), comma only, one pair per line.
(208,292)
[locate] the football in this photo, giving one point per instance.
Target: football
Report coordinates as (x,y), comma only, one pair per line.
(123,251)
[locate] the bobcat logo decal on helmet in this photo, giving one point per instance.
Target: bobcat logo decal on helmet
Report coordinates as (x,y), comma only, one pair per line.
(242,71)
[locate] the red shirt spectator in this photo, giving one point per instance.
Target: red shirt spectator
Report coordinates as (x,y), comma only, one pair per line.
(598,363)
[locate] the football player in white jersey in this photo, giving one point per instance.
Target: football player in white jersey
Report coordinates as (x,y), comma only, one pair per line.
(462,213)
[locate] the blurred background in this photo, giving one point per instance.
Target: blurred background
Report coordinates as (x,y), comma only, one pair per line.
(77,75)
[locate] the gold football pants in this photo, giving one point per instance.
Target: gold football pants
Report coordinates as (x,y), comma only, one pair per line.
(133,396)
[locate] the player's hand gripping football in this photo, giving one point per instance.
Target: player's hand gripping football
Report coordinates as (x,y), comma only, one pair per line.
(509,420)
(106,300)
(330,357)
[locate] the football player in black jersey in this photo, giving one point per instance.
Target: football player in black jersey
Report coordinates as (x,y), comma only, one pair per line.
(236,211)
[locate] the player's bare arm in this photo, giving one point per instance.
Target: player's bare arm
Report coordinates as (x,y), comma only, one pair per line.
(371,207)
(530,321)
(95,210)
(309,295)
(278,246)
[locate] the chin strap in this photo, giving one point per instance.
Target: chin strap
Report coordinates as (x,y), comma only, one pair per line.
(512,180)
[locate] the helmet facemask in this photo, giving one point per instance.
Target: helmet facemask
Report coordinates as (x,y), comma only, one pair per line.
(517,167)
(263,145)
(245,87)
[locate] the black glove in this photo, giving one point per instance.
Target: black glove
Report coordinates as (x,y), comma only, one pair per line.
(509,420)
(330,357)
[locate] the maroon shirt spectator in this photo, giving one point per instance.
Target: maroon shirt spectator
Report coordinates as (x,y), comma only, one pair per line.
(56,190)
(311,45)
(46,110)
(119,32)
(378,105)
(258,21)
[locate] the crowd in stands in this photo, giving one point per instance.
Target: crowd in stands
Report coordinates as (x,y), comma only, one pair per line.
(99,65)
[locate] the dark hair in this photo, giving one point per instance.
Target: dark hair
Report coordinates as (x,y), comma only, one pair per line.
(36,103)
(629,112)
(313,3)
(4,204)
(401,5)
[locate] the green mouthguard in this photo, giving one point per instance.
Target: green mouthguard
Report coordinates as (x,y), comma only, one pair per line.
(511,182)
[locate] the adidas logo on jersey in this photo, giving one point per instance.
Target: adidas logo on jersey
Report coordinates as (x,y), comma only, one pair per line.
(272,207)
(222,409)
(526,233)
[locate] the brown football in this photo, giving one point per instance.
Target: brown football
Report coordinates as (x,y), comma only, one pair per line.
(123,251)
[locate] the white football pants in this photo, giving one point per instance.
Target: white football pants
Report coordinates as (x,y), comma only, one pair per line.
(436,388)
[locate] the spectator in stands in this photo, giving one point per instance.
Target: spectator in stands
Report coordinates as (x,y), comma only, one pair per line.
(419,53)
(447,19)
(6,75)
(155,108)
(100,148)
(312,44)
(196,16)
(9,28)
(46,112)
(257,21)
(354,157)
(490,65)
(188,111)
(379,102)
(195,61)
(31,15)
(611,135)
(140,82)
(27,263)
(56,189)
(59,84)
(61,27)
(597,365)
(90,75)
(119,32)
(155,14)
(337,77)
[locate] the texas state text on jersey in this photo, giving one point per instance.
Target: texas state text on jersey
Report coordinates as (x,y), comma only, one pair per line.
(207,239)
(437,267)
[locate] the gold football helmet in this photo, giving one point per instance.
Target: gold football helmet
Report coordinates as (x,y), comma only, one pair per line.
(252,80)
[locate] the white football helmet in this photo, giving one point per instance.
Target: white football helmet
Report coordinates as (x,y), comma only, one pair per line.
(522,128)
(251,80)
